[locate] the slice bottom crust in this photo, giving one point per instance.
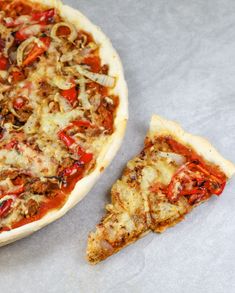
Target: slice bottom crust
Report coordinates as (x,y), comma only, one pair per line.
(174,173)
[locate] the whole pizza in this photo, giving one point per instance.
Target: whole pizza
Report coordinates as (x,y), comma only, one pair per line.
(63,112)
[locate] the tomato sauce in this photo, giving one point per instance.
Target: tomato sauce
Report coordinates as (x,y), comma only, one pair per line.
(49,205)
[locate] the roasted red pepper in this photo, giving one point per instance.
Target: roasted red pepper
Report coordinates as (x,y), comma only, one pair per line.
(81,123)
(29,31)
(3,63)
(94,63)
(195,182)
(68,140)
(17,76)
(37,51)
(11,145)
(72,170)
(44,16)
(18,103)
(5,206)
(70,95)
(85,158)
(17,191)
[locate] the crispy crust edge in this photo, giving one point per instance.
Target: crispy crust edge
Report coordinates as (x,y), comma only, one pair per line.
(111,57)
(160,126)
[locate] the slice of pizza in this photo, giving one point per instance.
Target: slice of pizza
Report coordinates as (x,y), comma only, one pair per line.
(174,173)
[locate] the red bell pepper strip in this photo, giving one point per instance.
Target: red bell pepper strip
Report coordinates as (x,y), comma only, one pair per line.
(40,16)
(5,207)
(85,158)
(69,171)
(17,191)
(28,31)
(212,183)
(43,16)
(10,22)
(68,141)
(37,51)
(70,95)
(17,76)
(18,103)
(81,123)
(3,63)
(11,145)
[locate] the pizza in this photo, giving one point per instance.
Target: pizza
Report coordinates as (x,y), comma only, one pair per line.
(63,112)
(174,173)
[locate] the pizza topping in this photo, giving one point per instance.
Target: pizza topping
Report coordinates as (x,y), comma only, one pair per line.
(195,182)
(17,76)
(5,207)
(23,46)
(178,159)
(70,95)
(44,16)
(3,63)
(71,36)
(19,102)
(29,31)
(18,21)
(67,140)
(102,79)
(38,49)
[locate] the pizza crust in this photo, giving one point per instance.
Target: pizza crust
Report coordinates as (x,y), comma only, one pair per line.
(110,57)
(160,126)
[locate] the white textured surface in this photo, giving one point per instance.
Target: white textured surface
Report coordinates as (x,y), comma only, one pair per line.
(179,58)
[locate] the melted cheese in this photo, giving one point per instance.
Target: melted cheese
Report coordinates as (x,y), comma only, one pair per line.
(27,159)
(51,123)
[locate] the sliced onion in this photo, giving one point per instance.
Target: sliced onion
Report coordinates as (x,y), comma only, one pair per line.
(13,197)
(12,110)
(23,46)
(3,74)
(69,56)
(9,42)
(4,88)
(23,19)
(95,101)
(178,159)
(3,30)
(30,125)
(65,106)
(83,97)
(71,37)
(102,79)
(58,80)
(5,33)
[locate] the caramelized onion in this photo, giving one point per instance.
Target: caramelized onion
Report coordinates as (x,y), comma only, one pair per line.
(73,33)
(23,46)
(178,159)
(102,79)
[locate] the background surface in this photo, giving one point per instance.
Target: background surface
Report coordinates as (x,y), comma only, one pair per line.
(179,60)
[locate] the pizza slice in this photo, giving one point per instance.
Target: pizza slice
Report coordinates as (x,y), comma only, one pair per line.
(174,173)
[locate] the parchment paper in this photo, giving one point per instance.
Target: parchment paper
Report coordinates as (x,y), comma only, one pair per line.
(179,60)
